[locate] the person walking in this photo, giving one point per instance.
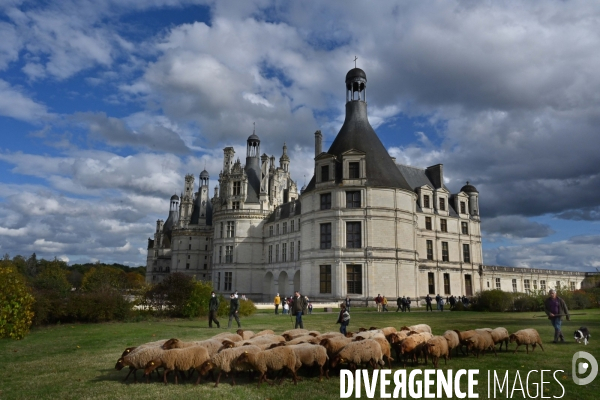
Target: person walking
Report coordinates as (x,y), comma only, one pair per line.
(234,307)
(378,301)
(555,308)
(310,307)
(343,318)
(428,303)
(452,302)
(438,299)
(298,305)
(403,303)
(347,303)
(213,308)
(441,304)
(408,301)
(399,303)
(277,302)
(286,307)
(384,302)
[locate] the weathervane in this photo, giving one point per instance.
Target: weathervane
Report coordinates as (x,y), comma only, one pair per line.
(355,58)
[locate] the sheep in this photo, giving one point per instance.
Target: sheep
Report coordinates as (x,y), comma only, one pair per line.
(437,347)
(180,359)
(296,332)
(234,337)
(388,330)
(500,335)
(481,342)
(274,359)
(369,334)
(361,352)
(396,339)
(262,341)
(265,332)
(225,361)
(293,335)
(245,334)
(527,337)
(311,355)
(304,339)
(329,335)
(453,341)
(417,328)
(414,345)
(386,349)
(138,359)
(463,336)
(211,345)
(314,333)
(334,344)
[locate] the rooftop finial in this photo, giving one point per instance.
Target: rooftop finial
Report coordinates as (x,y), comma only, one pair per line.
(253,127)
(355,58)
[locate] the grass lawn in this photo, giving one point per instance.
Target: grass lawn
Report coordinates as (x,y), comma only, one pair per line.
(77,361)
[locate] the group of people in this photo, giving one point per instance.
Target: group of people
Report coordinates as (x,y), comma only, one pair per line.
(234,308)
(286,304)
(441,301)
(381,302)
(403,303)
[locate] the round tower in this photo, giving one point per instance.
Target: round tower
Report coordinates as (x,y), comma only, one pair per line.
(473,194)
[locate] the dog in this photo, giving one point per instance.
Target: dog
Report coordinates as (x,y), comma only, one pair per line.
(582,335)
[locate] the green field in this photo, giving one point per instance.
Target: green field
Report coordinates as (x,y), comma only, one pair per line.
(77,361)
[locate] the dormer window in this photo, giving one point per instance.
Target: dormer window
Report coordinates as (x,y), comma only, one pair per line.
(442,204)
(426,203)
(237,188)
(324,173)
(463,207)
(353,170)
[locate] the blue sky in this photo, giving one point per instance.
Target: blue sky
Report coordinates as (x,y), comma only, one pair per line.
(106,105)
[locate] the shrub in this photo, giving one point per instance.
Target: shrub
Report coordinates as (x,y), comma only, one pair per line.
(493,300)
(98,307)
(197,303)
(104,279)
(170,296)
(16,303)
(247,308)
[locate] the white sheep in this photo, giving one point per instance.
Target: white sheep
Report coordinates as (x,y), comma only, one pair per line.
(527,337)
(500,335)
(356,353)
(234,337)
(437,347)
(119,365)
(281,357)
(211,345)
(310,355)
(334,344)
(453,341)
(417,328)
(181,359)
(138,359)
(481,342)
(386,348)
(225,361)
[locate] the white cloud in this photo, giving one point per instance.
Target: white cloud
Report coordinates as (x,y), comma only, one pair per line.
(15,104)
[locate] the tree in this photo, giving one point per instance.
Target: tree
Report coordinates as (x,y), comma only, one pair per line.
(16,302)
(32,265)
(104,279)
(52,278)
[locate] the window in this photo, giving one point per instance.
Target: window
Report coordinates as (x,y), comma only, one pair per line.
(353,199)
(237,188)
(426,201)
(291,251)
(276,253)
(514,285)
(325,201)
(298,250)
(488,284)
(431,282)
(353,170)
(428,223)
(270,254)
(187,266)
(292,226)
(325,278)
(324,173)
(354,279)
(498,284)
(430,249)
(284,228)
(218,281)
(543,285)
(464,227)
(205,266)
(235,205)
(189,246)
(271,230)
(463,207)
(228,254)
(527,285)
(222,232)
(442,204)
(228,280)
(284,252)
(277,230)
(446,283)
(466,253)
(444,225)
(299,227)
(534,285)
(572,286)
(325,236)
(557,285)
(353,235)
(220,253)
(445,256)
(468,285)
(230,229)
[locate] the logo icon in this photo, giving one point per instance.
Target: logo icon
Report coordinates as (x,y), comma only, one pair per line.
(583,367)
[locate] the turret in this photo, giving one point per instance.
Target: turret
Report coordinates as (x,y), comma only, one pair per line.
(228,156)
(473,194)
(284,161)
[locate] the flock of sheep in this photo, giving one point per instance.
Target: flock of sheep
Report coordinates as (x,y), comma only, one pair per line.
(266,352)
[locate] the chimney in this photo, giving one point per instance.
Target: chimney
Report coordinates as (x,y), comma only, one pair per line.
(318,143)
(435,174)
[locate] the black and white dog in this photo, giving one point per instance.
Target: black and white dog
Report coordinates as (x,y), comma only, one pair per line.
(582,334)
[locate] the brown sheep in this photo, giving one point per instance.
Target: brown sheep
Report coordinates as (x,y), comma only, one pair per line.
(500,335)
(437,347)
(395,340)
(179,360)
(527,337)
(453,341)
(414,345)
(234,337)
(265,332)
(481,342)
(276,359)
(463,336)
(211,345)
(417,328)
(225,361)
(357,353)
(310,355)
(245,334)
(334,345)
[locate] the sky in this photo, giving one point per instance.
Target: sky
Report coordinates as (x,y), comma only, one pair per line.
(105,105)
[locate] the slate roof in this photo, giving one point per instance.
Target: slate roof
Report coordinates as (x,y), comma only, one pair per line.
(285,211)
